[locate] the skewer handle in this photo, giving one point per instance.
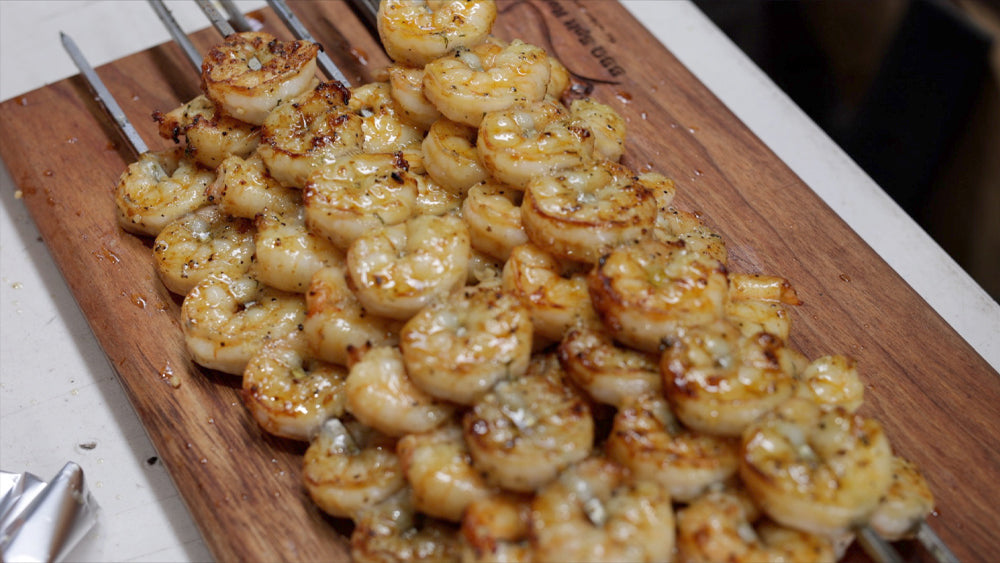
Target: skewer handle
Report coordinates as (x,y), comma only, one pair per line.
(292,22)
(220,23)
(177,33)
(934,544)
(368,9)
(239,21)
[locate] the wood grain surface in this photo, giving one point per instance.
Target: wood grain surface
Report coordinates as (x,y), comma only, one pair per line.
(938,400)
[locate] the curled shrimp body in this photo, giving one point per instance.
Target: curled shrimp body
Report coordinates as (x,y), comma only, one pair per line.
(288,253)
(646,292)
(832,381)
(244,188)
(309,131)
(905,505)
(382,395)
(520,143)
(677,226)
(349,467)
(605,125)
(451,156)
(819,471)
(495,528)
(407,85)
(289,394)
(200,244)
(249,90)
(458,348)
(210,137)
(384,126)
(337,326)
(526,430)
(415,33)
(158,188)
(492,212)
(397,270)
(440,473)
(608,373)
(647,439)
(392,531)
(719,526)
(760,303)
(718,381)
(582,214)
(227,320)
(472,82)
(596,510)
(359,194)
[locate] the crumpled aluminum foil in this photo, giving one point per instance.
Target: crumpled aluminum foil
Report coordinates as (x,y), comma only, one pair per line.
(43,522)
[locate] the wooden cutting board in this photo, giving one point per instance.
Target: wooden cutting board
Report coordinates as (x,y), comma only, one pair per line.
(939,400)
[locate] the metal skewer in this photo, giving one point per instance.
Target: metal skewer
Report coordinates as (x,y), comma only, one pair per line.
(177,33)
(240,22)
(934,544)
(224,27)
(876,547)
(287,17)
(368,9)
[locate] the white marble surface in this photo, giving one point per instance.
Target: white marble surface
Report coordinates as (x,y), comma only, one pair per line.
(59,396)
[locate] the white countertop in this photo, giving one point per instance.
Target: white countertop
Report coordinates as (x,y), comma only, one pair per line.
(59,397)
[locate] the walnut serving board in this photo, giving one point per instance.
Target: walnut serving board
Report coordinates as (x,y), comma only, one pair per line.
(938,400)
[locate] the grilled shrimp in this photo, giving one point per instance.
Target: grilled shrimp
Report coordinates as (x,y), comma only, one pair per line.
(200,244)
(158,188)
(392,531)
(210,137)
(492,212)
(349,467)
(399,269)
(308,132)
(415,32)
(249,90)
(290,394)
(718,381)
(819,471)
(520,143)
(473,81)
(359,194)
(719,526)
(675,226)
(760,303)
(451,156)
(244,188)
(646,292)
(440,473)
(558,300)
(483,268)
(288,253)
(385,127)
(832,381)
(584,213)
(905,505)
(647,439)
(381,394)
(604,124)
(227,320)
(597,511)
(407,88)
(495,529)
(608,373)
(337,326)
(526,430)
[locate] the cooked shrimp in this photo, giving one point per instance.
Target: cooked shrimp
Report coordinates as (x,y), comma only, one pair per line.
(523,142)
(399,269)
(582,214)
(833,381)
(200,244)
(408,90)
(458,348)
(435,199)
(905,505)
(486,77)
(227,320)
(718,381)
(819,471)
(495,529)
(393,532)
(606,127)
(337,326)
(244,188)
(249,90)
(492,212)
(359,194)
(647,439)
(210,136)
(415,32)
(759,287)
(559,79)
(440,473)
(451,156)
(483,268)
(526,430)
(558,300)
(607,372)
(290,394)
(719,527)
(288,253)
(308,132)
(760,303)
(349,467)
(676,226)
(385,127)
(381,394)
(158,188)
(597,511)
(646,292)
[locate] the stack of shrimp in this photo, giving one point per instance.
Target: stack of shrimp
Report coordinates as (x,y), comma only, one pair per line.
(500,343)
